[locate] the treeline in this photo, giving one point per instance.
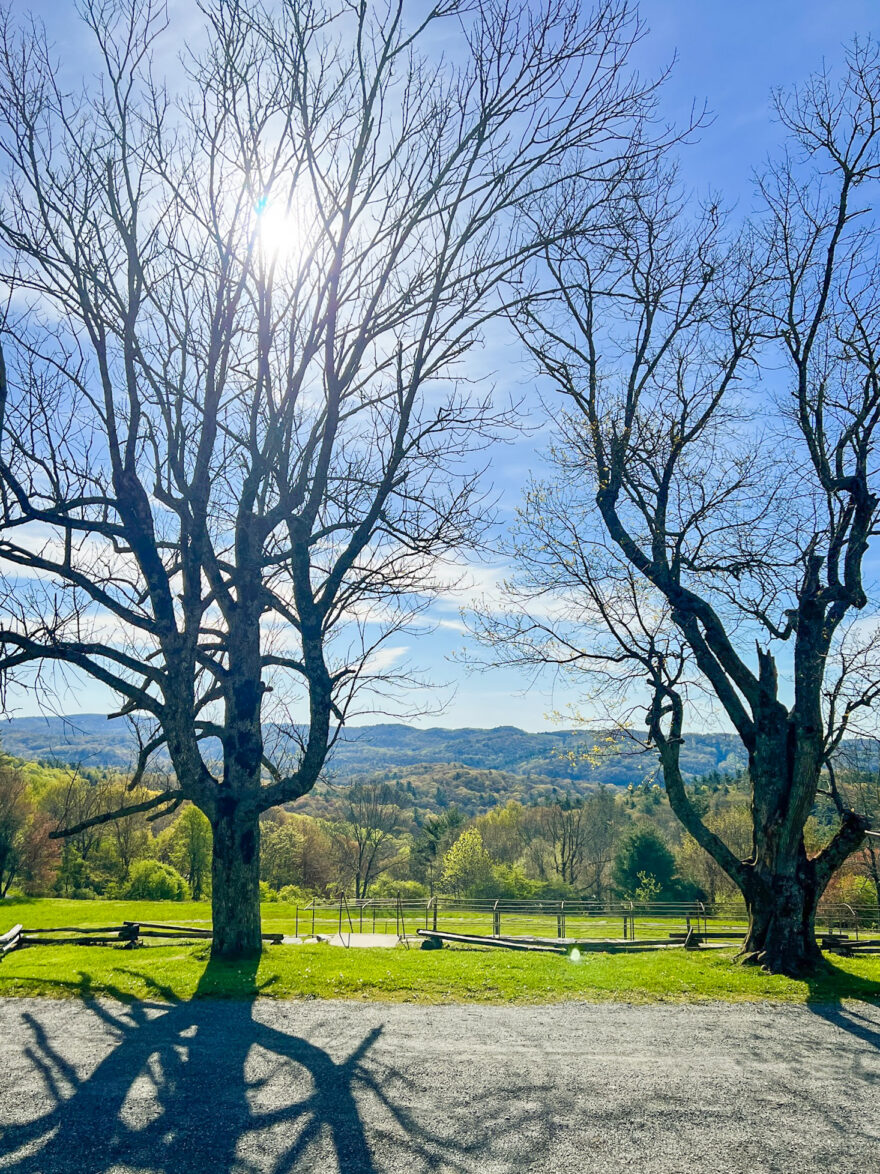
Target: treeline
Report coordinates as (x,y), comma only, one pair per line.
(168,859)
(372,839)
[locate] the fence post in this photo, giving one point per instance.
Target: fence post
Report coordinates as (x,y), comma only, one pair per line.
(855,918)
(496,921)
(296,929)
(435,913)
(313,918)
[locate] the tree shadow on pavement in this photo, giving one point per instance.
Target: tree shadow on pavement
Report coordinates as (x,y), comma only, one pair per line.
(826,1000)
(206,1085)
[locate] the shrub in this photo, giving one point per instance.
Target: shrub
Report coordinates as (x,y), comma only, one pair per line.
(509,882)
(267,894)
(293,895)
(151,880)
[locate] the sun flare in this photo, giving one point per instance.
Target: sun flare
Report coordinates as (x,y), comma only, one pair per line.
(280,231)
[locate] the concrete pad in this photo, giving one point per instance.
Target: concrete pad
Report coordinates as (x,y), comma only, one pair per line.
(360,940)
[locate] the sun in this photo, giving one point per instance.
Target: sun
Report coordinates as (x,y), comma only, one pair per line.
(280,231)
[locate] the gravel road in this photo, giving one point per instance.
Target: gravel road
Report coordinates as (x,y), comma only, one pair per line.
(254,1087)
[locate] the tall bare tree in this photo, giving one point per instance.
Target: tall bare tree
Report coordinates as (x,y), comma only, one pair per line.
(717,491)
(564,825)
(235,435)
(605,823)
(372,816)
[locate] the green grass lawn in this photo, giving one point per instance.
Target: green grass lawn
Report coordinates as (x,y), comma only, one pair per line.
(39,913)
(172,972)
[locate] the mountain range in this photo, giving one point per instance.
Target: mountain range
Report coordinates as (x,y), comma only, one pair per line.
(90,740)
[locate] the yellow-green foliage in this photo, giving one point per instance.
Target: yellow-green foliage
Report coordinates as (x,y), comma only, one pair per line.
(467,866)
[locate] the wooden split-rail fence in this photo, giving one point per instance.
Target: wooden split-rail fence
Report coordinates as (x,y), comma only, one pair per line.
(690,939)
(847,946)
(127,935)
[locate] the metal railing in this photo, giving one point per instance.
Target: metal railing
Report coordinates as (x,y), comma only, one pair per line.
(611,918)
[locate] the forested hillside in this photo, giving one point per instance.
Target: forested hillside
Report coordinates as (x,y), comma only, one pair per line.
(91,740)
(416,830)
(432,788)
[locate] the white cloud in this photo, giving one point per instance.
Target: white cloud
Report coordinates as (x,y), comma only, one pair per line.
(451,625)
(383,658)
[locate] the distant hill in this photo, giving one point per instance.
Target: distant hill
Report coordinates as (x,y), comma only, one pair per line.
(549,758)
(434,787)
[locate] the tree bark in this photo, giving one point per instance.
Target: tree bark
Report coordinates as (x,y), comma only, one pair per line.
(782,914)
(235,877)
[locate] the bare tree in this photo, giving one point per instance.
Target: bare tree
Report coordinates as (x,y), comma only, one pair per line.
(563,824)
(371,817)
(574,839)
(604,824)
(701,549)
(235,436)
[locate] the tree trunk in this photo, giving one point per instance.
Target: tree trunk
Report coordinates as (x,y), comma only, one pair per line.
(235,878)
(782,933)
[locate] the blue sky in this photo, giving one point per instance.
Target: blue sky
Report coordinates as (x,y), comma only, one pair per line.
(729,55)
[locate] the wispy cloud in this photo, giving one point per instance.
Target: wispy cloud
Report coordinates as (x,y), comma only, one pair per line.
(383,658)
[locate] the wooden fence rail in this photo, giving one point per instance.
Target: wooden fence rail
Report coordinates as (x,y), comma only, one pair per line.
(9,940)
(129,935)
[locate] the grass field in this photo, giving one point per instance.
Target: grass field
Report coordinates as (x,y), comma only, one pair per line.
(178,971)
(38,913)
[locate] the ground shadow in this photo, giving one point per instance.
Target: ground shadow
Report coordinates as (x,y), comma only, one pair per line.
(834,995)
(162,1085)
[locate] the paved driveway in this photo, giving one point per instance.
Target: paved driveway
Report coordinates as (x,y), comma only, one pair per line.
(254,1087)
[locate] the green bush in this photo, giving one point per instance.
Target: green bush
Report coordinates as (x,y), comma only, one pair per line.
(509,882)
(151,880)
(267,894)
(293,895)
